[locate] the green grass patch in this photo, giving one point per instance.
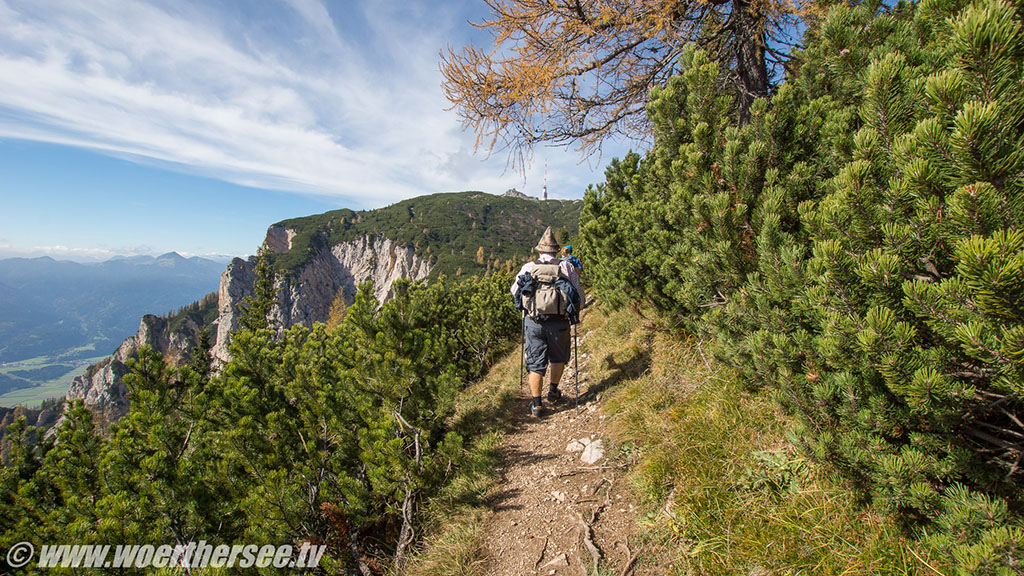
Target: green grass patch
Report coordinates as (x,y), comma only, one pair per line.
(453,551)
(90,347)
(29,364)
(33,396)
(43,374)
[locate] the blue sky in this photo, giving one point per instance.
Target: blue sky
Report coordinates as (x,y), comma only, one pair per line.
(145,127)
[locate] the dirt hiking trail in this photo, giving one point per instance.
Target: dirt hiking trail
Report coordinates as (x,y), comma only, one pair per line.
(560,506)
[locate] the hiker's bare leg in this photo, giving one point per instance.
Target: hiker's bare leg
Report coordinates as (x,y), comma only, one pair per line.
(556,373)
(536,383)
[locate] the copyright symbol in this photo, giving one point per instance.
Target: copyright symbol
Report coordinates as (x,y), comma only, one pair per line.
(20,554)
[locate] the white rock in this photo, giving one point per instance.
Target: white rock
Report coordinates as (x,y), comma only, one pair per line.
(593,452)
(303,298)
(560,560)
(575,446)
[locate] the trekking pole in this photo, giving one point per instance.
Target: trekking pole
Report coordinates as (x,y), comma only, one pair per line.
(522,350)
(576,365)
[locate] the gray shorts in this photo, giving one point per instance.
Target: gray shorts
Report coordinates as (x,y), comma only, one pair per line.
(547,341)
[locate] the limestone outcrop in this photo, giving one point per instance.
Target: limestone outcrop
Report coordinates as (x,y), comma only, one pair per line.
(305,296)
(102,388)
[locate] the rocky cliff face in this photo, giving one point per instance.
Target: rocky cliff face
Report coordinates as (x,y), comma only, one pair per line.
(304,297)
(102,387)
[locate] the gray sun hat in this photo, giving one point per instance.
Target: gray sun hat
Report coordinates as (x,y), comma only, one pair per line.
(547,243)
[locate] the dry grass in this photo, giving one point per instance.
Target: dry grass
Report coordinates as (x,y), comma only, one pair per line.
(453,550)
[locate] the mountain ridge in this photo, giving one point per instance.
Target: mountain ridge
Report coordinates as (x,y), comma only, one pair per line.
(459,223)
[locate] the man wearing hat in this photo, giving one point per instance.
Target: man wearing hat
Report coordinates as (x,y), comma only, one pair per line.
(547,336)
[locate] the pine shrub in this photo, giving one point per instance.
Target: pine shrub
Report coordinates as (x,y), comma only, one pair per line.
(857,249)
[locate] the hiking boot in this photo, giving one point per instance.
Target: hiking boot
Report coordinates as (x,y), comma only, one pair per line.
(536,411)
(554,395)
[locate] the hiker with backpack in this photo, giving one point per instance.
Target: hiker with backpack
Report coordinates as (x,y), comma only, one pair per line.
(547,291)
(567,255)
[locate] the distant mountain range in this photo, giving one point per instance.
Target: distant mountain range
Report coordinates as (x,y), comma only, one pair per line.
(67,310)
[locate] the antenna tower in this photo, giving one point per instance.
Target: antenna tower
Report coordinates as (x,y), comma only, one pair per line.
(545,195)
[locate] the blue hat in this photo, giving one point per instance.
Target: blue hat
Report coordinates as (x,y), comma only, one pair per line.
(569,248)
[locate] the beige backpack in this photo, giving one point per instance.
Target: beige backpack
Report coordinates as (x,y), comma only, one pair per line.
(545,299)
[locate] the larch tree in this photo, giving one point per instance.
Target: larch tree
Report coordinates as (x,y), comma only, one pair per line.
(575,72)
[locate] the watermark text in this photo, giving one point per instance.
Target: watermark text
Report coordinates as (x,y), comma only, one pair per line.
(192,555)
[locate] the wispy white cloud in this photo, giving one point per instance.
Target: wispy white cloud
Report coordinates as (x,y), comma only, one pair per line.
(299,96)
(68,253)
(59,252)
